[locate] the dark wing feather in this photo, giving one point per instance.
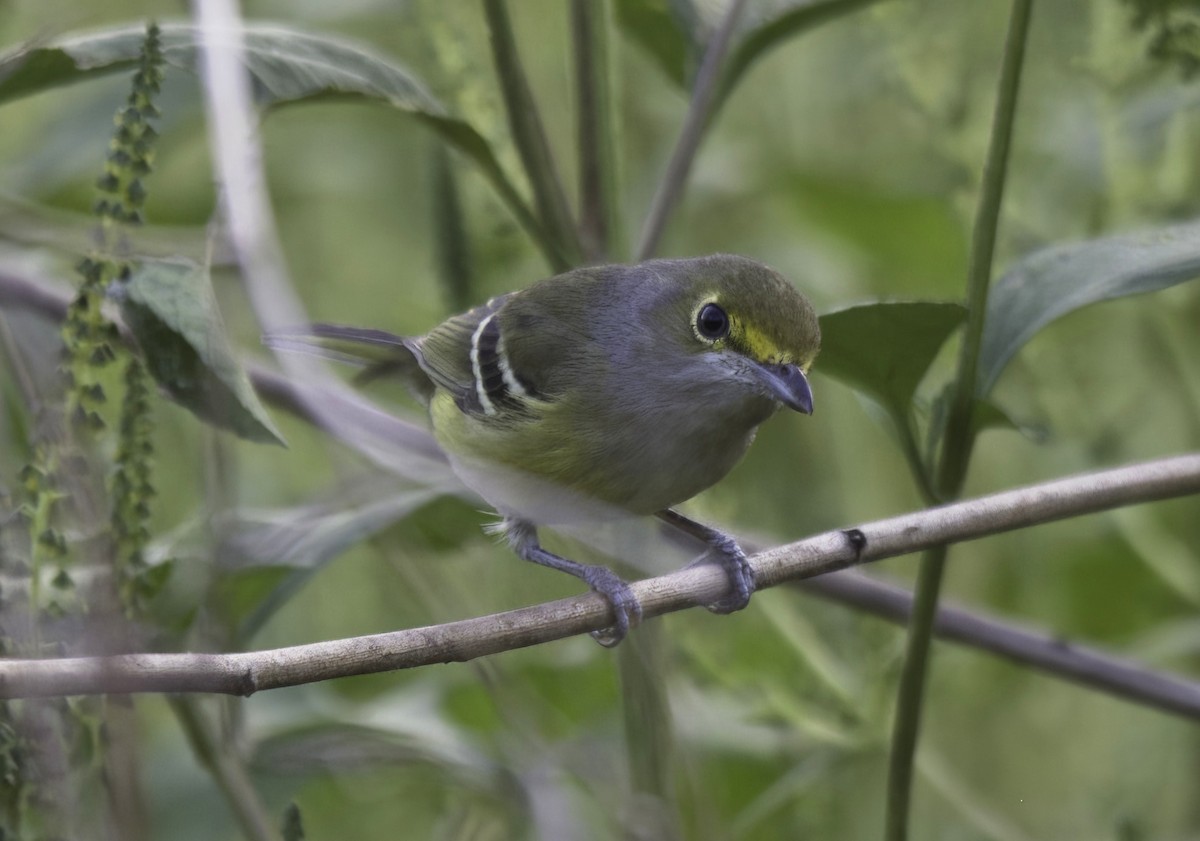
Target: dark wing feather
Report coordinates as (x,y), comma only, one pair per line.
(377,352)
(445,352)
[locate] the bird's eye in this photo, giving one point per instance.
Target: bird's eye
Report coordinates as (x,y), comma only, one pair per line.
(712,322)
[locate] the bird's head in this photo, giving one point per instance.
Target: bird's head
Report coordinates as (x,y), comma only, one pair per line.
(746,322)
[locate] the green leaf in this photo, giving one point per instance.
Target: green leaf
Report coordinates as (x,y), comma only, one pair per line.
(907,237)
(171,310)
(986,415)
(1050,283)
(883,349)
(675,33)
(268,556)
(1167,556)
(658,26)
(989,415)
(417,739)
(287,65)
(767,25)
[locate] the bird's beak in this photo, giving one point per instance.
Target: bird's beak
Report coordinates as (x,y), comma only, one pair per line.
(787,384)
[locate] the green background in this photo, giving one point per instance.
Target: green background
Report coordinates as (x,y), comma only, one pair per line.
(848,158)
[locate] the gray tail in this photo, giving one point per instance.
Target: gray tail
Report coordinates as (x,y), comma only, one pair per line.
(378,353)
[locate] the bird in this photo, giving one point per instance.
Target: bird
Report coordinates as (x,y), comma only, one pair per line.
(601,393)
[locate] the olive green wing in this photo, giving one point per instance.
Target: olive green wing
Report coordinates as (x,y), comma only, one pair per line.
(551,332)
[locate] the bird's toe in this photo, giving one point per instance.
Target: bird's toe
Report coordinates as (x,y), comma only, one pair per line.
(626,608)
(741,577)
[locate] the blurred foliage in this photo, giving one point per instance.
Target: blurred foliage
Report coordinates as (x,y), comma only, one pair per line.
(846,152)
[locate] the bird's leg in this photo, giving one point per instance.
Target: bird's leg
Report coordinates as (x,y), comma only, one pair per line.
(522,537)
(728,554)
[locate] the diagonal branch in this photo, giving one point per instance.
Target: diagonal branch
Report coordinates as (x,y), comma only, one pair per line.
(704,96)
(1052,655)
(364,426)
(248,672)
(529,136)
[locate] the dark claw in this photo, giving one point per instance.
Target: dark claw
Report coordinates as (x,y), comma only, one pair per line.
(625,605)
(732,559)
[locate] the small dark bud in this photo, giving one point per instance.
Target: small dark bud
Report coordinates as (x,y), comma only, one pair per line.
(108,182)
(135,192)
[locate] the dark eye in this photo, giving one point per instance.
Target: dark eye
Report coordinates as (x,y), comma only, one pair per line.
(712,322)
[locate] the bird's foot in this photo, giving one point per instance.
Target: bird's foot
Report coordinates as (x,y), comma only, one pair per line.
(626,607)
(522,537)
(732,559)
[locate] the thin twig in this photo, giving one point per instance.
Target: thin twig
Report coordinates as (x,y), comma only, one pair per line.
(704,95)
(227,771)
(245,202)
(1052,655)
(247,672)
(529,135)
(597,183)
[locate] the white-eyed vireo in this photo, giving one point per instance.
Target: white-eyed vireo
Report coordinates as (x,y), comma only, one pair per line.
(605,392)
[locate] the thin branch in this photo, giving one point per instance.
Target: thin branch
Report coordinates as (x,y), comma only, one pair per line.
(227,771)
(529,135)
(597,149)
(247,672)
(237,163)
(453,243)
(704,95)
(366,427)
(1052,655)
(245,202)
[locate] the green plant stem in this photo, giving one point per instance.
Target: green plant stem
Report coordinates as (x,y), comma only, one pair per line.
(906,724)
(597,149)
(912,456)
(529,136)
(956,447)
(227,771)
(648,733)
(453,242)
(704,95)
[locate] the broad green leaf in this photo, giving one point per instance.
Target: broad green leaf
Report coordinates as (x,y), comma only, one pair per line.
(767,25)
(171,310)
(807,645)
(905,236)
(266,557)
(676,32)
(1169,557)
(986,415)
(658,27)
(287,65)
(411,734)
(1050,283)
(26,221)
(884,349)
